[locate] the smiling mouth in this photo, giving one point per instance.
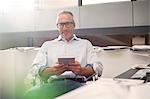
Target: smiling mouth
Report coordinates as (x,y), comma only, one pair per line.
(65,32)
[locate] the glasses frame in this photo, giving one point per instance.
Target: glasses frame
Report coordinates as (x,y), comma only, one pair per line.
(66,24)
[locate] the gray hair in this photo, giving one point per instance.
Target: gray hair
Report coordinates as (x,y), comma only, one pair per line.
(66,12)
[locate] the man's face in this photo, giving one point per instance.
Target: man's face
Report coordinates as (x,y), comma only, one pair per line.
(66,26)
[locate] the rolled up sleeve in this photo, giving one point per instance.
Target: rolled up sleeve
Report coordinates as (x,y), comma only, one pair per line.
(98,68)
(92,58)
(40,61)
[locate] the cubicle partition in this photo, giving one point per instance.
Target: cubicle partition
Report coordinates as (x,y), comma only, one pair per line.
(14,66)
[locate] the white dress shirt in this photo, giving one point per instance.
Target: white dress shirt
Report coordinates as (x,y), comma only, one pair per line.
(80,49)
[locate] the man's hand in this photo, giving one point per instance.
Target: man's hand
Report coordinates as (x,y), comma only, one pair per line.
(75,67)
(57,69)
(78,70)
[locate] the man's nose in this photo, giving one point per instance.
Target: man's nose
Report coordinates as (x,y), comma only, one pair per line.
(64,27)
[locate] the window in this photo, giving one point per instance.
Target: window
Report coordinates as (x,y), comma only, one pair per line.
(11,5)
(50,4)
(87,2)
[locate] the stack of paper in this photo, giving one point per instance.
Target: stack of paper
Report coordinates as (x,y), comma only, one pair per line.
(141,47)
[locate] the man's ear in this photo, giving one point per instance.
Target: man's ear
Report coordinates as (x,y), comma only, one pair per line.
(57,25)
(74,24)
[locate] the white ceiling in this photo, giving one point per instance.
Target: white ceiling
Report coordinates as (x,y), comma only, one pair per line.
(86,2)
(57,3)
(31,4)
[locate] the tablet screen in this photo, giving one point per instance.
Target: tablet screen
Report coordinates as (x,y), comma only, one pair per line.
(66,60)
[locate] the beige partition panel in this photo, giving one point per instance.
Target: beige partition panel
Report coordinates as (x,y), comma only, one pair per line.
(14,65)
(7,74)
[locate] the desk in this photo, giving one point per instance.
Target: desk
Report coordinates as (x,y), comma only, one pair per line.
(106,88)
(117,61)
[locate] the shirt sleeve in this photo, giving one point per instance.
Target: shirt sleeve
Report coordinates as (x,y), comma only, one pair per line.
(40,61)
(93,59)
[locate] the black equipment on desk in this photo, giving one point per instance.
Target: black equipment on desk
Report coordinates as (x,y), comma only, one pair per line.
(143,74)
(147,77)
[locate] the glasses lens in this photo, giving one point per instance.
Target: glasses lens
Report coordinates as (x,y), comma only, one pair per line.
(67,24)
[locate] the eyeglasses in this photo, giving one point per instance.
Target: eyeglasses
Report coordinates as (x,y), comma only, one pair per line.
(66,24)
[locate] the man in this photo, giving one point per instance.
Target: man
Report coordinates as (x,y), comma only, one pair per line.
(66,45)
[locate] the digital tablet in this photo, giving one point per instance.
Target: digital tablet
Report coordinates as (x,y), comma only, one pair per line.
(66,60)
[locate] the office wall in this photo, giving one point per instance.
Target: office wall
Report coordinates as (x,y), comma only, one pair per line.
(32,20)
(32,28)
(17,21)
(115,14)
(29,28)
(149,18)
(90,16)
(140,12)
(106,15)
(149,11)
(10,40)
(46,19)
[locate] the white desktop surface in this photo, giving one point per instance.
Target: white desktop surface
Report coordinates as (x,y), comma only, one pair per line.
(106,88)
(140,92)
(118,61)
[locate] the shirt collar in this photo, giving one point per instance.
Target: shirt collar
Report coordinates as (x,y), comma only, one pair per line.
(74,38)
